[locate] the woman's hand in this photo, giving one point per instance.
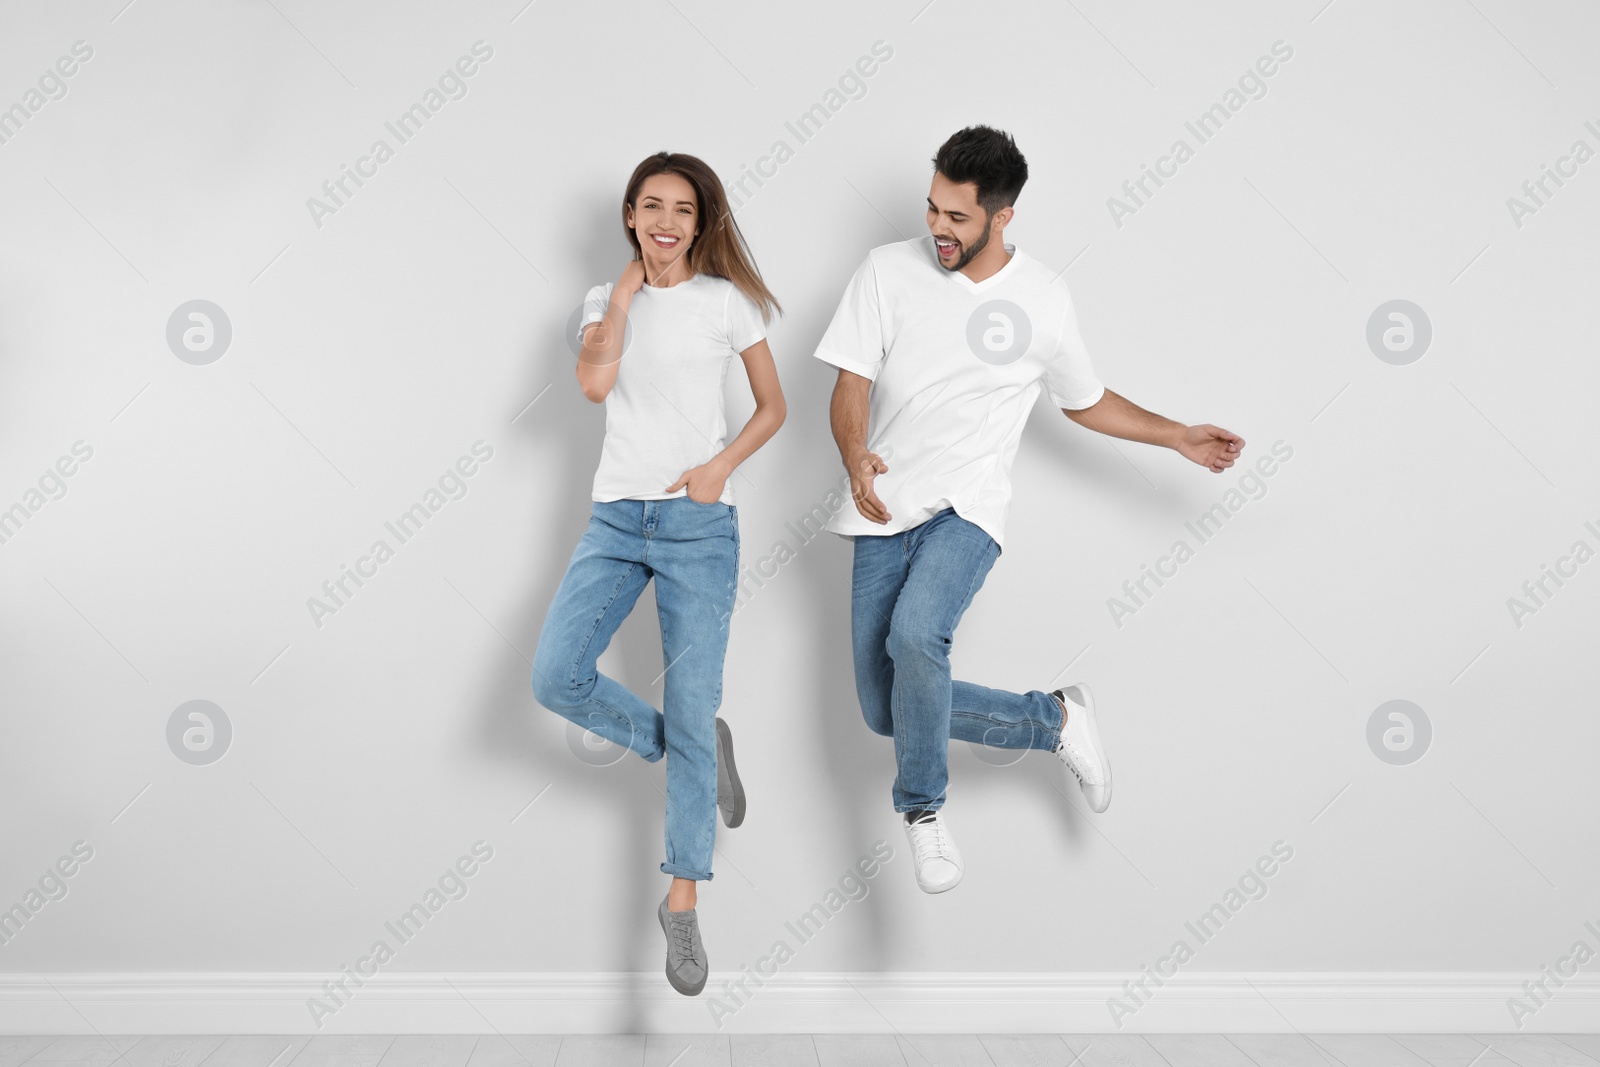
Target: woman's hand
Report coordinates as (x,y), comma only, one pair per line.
(705,482)
(631,281)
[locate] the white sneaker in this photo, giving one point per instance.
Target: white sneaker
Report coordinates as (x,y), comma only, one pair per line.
(934,852)
(1079,747)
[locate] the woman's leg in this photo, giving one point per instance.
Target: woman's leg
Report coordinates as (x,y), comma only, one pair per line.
(694,554)
(604,578)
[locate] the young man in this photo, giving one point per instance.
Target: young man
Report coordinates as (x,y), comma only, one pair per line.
(943,343)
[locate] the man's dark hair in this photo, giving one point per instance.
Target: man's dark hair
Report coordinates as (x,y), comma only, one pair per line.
(989,159)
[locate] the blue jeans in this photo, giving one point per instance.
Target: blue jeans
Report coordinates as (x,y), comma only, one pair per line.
(692,551)
(908,592)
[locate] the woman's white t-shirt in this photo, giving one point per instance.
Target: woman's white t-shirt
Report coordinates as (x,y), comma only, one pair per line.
(664,413)
(956,366)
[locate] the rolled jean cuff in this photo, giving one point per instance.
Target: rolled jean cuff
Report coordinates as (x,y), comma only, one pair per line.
(1056,706)
(685,872)
(904,808)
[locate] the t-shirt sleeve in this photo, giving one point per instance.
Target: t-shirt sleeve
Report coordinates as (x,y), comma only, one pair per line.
(594,305)
(854,339)
(742,320)
(1069,375)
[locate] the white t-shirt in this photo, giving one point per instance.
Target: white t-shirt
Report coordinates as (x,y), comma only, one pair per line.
(664,413)
(956,366)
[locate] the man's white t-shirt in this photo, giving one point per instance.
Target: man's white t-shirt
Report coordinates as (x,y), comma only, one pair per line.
(664,413)
(956,366)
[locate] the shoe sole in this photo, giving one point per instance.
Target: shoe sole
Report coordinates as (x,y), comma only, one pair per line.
(725,762)
(1094,732)
(942,888)
(672,979)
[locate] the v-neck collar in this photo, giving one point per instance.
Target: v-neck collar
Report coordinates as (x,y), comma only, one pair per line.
(988,283)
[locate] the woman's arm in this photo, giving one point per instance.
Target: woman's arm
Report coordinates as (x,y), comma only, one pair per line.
(602,341)
(706,481)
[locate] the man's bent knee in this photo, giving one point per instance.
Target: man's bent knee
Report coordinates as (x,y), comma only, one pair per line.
(909,645)
(878,719)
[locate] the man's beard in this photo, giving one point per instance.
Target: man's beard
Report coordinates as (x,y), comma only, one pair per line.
(969,254)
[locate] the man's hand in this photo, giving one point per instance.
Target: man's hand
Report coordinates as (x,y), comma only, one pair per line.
(1210,446)
(865,466)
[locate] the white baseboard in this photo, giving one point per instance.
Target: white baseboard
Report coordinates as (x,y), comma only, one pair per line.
(908,1003)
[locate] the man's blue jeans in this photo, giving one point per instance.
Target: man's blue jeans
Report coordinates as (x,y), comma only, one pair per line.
(692,552)
(908,592)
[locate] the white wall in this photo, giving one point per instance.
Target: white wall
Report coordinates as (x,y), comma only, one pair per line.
(370,352)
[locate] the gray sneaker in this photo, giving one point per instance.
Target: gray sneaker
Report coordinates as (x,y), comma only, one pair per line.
(730,791)
(686,956)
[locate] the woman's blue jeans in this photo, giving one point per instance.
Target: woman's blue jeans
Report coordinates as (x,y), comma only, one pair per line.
(908,592)
(692,552)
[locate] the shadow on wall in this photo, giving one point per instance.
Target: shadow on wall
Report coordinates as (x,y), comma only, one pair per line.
(566,431)
(862,761)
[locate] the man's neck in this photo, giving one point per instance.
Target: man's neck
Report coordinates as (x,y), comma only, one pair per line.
(988,263)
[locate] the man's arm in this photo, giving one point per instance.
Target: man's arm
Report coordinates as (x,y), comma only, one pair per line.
(1116,416)
(848,415)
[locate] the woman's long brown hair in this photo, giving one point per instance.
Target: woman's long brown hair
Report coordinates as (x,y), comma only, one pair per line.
(720,248)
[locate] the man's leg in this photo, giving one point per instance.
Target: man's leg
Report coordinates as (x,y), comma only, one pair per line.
(878,572)
(603,581)
(949,560)
(1003,719)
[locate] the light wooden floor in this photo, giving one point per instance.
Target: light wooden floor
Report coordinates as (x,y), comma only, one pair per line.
(821,1050)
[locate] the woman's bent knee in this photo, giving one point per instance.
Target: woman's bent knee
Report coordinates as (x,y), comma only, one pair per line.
(553,694)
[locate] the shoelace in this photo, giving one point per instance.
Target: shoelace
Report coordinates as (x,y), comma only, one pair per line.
(930,840)
(683,938)
(1076,757)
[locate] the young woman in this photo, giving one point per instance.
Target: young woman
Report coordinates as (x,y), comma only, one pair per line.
(656,348)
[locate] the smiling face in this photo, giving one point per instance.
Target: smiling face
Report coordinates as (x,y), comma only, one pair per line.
(961,228)
(664,217)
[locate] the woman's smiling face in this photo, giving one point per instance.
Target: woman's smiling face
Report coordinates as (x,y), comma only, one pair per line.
(665,217)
